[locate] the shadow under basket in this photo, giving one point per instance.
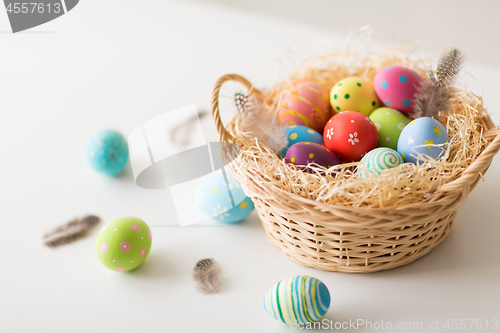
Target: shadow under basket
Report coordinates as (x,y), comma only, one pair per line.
(352,239)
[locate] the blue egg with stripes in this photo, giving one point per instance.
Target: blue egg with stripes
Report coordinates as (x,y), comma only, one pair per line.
(297,300)
(298,133)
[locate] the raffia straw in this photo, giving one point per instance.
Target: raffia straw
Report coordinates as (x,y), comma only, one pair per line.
(402,185)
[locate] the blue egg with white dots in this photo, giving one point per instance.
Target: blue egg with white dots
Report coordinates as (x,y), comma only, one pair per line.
(422,136)
(298,133)
(107,152)
(225,202)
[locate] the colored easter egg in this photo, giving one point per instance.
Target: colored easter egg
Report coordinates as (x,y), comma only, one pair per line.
(297,299)
(307,105)
(107,152)
(396,87)
(123,244)
(224,202)
(420,137)
(354,94)
(298,133)
(378,160)
(305,153)
(350,135)
(389,123)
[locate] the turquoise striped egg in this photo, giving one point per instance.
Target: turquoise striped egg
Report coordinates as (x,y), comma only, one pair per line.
(298,299)
(378,160)
(299,133)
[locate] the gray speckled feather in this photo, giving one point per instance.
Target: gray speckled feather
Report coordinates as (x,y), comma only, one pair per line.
(207,275)
(261,122)
(434,94)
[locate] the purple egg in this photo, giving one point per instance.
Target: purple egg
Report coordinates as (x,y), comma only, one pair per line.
(304,153)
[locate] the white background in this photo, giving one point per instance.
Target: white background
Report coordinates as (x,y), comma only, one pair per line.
(115,64)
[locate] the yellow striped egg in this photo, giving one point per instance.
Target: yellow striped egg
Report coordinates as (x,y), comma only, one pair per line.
(298,299)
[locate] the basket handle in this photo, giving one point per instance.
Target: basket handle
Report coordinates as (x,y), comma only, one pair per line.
(225,136)
(476,167)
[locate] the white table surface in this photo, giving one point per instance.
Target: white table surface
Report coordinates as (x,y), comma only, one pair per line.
(116,64)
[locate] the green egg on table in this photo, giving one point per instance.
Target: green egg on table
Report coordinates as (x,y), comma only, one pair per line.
(123,244)
(389,123)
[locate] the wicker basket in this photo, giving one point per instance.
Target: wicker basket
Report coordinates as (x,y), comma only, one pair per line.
(351,239)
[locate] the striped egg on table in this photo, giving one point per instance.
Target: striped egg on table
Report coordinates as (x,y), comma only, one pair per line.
(389,123)
(123,244)
(226,203)
(421,139)
(396,87)
(378,160)
(305,104)
(297,299)
(304,153)
(354,94)
(298,133)
(350,135)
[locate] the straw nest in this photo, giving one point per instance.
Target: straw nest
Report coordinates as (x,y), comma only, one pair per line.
(467,124)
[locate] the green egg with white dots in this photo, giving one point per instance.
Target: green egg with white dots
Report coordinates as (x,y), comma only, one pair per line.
(124,243)
(389,123)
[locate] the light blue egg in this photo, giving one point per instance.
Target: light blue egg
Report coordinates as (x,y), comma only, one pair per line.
(298,299)
(298,133)
(107,152)
(224,202)
(421,137)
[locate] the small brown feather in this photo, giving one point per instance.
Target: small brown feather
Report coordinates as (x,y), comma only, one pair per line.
(71,231)
(261,122)
(207,273)
(449,65)
(431,98)
(434,94)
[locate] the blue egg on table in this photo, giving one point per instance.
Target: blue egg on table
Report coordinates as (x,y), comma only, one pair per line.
(299,133)
(297,299)
(422,137)
(107,152)
(224,202)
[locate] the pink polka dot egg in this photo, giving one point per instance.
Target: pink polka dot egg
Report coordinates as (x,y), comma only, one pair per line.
(123,244)
(396,87)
